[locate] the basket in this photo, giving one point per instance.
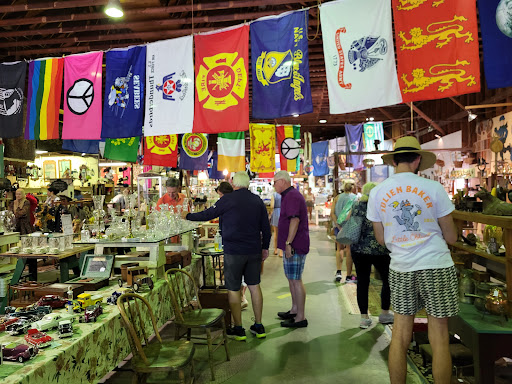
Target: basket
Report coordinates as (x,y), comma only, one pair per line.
(457,164)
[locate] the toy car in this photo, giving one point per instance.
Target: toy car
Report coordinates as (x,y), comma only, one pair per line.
(38,339)
(19,327)
(136,276)
(65,329)
(6,321)
(50,321)
(18,352)
(91,313)
(53,301)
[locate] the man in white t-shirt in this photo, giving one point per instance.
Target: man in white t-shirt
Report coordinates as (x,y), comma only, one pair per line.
(411,216)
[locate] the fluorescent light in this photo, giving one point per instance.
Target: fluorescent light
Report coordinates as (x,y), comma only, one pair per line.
(323,121)
(111,164)
(437,135)
(370,118)
(114,9)
(295,115)
(225,172)
(40,151)
(471,116)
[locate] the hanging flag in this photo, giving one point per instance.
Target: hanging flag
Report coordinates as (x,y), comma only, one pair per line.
(82,96)
(496,28)
(222,85)
(43,100)
(231,151)
(280,66)
(213,172)
(169,87)
(194,151)
(81,146)
(122,149)
(263,148)
(161,150)
(359,55)
(354,134)
(372,132)
(437,48)
(320,153)
(123,106)
(288,137)
(12,86)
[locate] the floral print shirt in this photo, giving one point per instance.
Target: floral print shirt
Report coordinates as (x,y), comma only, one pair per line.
(367,244)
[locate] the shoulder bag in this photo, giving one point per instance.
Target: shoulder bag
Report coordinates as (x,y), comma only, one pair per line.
(351,231)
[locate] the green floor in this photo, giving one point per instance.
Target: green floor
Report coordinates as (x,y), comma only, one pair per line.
(332,349)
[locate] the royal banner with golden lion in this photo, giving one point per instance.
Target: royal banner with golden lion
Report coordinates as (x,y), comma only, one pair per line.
(437,48)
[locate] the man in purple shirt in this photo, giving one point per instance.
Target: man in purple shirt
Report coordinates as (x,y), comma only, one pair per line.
(293,239)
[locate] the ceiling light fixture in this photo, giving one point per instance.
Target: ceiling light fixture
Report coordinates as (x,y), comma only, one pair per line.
(40,151)
(111,164)
(471,116)
(437,135)
(295,115)
(370,118)
(323,121)
(430,128)
(114,9)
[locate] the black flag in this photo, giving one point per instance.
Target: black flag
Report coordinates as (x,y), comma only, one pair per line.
(12,87)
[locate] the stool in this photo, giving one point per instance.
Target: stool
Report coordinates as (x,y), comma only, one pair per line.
(216,264)
(461,355)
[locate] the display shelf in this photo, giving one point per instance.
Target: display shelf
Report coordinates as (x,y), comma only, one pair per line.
(473,250)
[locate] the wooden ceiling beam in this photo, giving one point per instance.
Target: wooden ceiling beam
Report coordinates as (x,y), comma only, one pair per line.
(47,5)
(427,118)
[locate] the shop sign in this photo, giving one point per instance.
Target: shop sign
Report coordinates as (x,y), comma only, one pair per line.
(466,173)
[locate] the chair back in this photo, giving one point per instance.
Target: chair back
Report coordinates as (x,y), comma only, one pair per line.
(183,290)
(134,311)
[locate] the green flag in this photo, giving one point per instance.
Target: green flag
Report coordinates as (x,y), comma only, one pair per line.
(122,149)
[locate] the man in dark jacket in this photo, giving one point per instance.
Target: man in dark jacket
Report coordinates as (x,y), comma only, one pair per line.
(245,238)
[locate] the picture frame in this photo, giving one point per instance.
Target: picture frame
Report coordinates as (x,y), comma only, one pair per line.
(379,173)
(49,169)
(64,169)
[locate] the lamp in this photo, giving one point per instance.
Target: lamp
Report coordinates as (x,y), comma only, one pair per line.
(114,9)
(481,164)
(471,116)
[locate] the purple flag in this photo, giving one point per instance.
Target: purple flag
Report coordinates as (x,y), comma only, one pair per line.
(355,144)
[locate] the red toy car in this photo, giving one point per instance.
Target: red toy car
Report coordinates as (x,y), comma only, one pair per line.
(37,339)
(91,313)
(53,301)
(5,321)
(18,352)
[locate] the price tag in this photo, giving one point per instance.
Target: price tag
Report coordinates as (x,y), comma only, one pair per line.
(67,225)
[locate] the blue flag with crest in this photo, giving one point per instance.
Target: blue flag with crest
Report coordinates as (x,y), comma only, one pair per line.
(123,105)
(280,66)
(355,143)
(319,154)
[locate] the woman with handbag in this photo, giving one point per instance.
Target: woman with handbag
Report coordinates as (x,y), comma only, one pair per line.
(365,252)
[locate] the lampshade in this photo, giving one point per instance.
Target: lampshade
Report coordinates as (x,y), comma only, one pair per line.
(471,116)
(114,9)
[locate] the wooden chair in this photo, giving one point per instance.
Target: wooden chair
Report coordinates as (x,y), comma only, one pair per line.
(158,356)
(183,289)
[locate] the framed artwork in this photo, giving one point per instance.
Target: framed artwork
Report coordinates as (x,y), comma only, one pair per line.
(49,169)
(379,173)
(64,169)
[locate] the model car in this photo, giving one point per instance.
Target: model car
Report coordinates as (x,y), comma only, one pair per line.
(37,338)
(112,299)
(19,327)
(65,329)
(136,277)
(37,313)
(91,313)
(50,321)
(5,321)
(53,301)
(18,352)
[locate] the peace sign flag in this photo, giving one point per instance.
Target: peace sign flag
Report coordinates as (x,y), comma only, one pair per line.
(82,96)
(288,137)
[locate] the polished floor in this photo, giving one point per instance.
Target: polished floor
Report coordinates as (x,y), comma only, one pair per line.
(332,349)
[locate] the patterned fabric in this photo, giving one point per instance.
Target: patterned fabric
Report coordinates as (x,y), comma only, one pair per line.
(436,290)
(367,244)
(294,266)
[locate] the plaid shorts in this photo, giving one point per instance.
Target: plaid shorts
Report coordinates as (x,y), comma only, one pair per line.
(294,266)
(436,290)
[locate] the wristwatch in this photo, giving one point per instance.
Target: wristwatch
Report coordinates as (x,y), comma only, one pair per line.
(288,243)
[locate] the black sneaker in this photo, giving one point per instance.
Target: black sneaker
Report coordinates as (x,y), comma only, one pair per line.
(238,333)
(258,330)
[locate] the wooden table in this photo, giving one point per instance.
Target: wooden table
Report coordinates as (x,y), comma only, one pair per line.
(67,260)
(489,338)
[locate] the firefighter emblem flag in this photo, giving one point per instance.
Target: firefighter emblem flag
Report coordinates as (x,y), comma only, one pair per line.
(169,87)
(280,66)
(359,55)
(161,150)
(263,148)
(437,48)
(222,86)
(288,137)
(12,88)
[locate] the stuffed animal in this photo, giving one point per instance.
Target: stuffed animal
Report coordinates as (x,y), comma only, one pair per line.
(493,205)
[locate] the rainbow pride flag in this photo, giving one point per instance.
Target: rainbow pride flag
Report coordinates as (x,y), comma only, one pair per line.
(43,100)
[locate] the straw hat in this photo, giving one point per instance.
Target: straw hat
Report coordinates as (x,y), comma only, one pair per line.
(410,144)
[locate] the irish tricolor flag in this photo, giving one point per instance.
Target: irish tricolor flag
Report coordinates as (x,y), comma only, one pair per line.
(43,100)
(231,151)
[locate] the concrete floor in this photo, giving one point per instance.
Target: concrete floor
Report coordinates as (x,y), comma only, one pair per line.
(331,349)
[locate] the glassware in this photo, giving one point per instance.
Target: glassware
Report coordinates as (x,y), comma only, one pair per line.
(85,235)
(26,243)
